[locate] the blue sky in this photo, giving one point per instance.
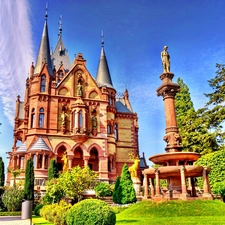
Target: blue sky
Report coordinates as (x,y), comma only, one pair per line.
(135,32)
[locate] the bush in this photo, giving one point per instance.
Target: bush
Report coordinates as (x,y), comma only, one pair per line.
(37,209)
(104,189)
(12,198)
(56,213)
(91,211)
(219,189)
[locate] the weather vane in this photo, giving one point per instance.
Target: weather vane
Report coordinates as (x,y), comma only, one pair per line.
(102,39)
(46,11)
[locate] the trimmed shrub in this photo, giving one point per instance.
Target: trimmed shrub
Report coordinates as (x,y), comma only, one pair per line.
(12,198)
(91,211)
(104,189)
(37,209)
(117,191)
(29,180)
(128,194)
(53,170)
(219,189)
(56,213)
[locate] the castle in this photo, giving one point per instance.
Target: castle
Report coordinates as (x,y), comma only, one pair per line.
(66,111)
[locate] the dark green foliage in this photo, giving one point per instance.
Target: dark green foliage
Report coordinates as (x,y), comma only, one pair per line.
(128,194)
(53,170)
(12,198)
(29,180)
(56,213)
(215,110)
(117,191)
(37,209)
(216,161)
(91,211)
(2,172)
(192,124)
(104,189)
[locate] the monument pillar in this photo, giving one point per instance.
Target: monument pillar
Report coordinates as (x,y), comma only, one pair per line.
(146,187)
(157,184)
(206,193)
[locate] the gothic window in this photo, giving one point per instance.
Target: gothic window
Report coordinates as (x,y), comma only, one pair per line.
(39,161)
(43,83)
(110,100)
(116,131)
(80,119)
(41,118)
(35,161)
(32,118)
(109,129)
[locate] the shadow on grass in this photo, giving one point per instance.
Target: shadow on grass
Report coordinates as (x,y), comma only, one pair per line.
(127,221)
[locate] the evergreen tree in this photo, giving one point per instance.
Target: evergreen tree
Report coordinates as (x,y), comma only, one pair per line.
(53,170)
(29,180)
(2,177)
(2,172)
(117,191)
(215,110)
(192,124)
(128,194)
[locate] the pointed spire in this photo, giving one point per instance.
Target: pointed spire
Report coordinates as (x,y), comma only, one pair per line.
(60,27)
(60,54)
(44,50)
(103,77)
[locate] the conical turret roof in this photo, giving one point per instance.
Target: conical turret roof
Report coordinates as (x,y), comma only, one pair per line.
(60,56)
(44,52)
(103,77)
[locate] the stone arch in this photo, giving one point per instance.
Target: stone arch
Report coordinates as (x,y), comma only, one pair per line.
(60,149)
(64,91)
(98,148)
(95,152)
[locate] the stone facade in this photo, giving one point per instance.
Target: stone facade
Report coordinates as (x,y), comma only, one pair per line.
(67,111)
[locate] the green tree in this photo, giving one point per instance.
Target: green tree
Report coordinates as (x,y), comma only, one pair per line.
(117,191)
(214,111)
(2,175)
(12,198)
(29,180)
(128,194)
(192,124)
(72,183)
(53,170)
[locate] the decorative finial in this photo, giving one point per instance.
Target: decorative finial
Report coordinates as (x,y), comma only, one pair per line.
(60,26)
(102,39)
(46,11)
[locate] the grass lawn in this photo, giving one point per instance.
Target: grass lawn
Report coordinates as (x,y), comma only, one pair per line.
(169,213)
(37,220)
(173,212)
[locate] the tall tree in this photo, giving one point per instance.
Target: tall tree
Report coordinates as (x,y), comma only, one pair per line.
(53,170)
(191,124)
(128,194)
(215,110)
(2,172)
(117,191)
(29,180)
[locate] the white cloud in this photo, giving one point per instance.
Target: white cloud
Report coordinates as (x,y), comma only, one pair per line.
(16,52)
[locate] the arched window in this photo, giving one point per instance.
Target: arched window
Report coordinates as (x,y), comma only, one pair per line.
(116,131)
(109,129)
(80,119)
(43,83)
(32,118)
(41,118)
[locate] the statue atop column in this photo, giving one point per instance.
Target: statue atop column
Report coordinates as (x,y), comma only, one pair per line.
(165,60)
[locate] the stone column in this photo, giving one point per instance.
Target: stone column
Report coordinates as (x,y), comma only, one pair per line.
(183,183)
(36,163)
(193,190)
(146,194)
(157,185)
(152,188)
(86,158)
(206,188)
(43,161)
(84,120)
(18,161)
(70,160)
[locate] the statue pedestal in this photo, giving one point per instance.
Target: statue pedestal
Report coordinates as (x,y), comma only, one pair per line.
(137,185)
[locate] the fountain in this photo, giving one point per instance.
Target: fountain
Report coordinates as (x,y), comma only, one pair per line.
(175,166)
